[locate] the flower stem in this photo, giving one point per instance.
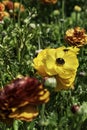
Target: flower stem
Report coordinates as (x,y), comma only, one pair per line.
(19,13)
(15,125)
(39,46)
(63,8)
(42,110)
(42,115)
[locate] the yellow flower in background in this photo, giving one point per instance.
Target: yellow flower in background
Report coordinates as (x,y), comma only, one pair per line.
(77,8)
(9,5)
(61,63)
(19,6)
(76,36)
(49,1)
(3,15)
(2,7)
(6,14)
(5,2)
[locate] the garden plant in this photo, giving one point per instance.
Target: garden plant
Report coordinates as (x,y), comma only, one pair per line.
(43,65)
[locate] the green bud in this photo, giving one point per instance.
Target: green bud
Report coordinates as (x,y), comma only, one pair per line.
(55,13)
(50,82)
(77,8)
(44,122)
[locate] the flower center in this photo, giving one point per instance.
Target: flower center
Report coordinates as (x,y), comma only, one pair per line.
(60,61)
(65,50)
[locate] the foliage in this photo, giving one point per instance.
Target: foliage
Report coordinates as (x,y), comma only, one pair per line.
(44,26)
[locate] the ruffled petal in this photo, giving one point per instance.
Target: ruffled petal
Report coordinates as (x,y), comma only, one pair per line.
(26,113)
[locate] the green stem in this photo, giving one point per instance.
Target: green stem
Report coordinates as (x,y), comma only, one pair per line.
(42,115)
(9,72)
(63,17)
(76,18)
(31,126)
(63,8)
(19,13)
(39,46)
(42,110)
(19,55)
(15,125)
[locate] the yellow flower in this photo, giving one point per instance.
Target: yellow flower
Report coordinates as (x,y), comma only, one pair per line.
(61,63)
(76,36)
(5,2)
(19,6)
(2,7)
(77,8)
(4,14)
(39,62)
(49,1)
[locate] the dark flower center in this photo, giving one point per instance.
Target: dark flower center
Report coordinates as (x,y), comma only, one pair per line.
(60,61)
(65,50)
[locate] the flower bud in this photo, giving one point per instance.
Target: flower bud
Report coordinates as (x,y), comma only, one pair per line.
(77,8)
(50,82)
(75,108)
(44,122)
(55,13)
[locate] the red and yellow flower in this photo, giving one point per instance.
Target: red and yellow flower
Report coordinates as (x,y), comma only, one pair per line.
(9,5)
(20,99)
(76,37)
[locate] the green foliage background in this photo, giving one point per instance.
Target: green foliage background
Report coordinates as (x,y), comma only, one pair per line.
(39,27)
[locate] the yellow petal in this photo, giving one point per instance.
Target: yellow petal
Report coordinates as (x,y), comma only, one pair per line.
(64,84)
(26,113)
(45,97)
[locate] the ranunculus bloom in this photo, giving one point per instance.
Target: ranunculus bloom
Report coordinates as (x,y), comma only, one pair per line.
(61,63)
(2,7)
(49,1)
(19,99)
(19,6)
(6,14)
(76,36)
(5,2)
(77,8)
(9,5)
